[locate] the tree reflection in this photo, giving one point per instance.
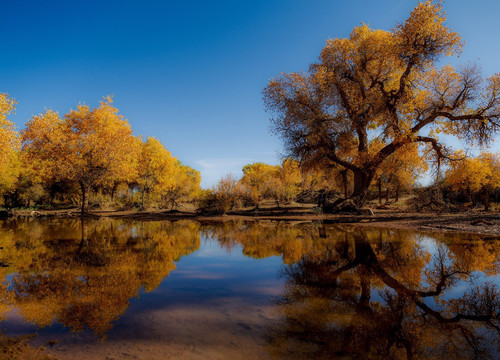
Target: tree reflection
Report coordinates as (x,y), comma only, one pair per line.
(331,308)
(356,293)
(349,292)
(87,281)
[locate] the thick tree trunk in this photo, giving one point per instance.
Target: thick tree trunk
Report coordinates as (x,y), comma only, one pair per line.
(397,193)
(386,195)
(362,180)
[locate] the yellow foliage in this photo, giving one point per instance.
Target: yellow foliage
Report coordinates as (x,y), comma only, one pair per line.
(479,174)
(9,144)
(86,146)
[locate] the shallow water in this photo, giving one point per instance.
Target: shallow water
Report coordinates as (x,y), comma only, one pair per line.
(118,289)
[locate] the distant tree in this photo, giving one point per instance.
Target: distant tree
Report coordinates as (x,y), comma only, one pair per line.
(156,165)
(383,87)
(480,174)
(222,197)
(284,184)
(257,180)
(85,146)
(183,182)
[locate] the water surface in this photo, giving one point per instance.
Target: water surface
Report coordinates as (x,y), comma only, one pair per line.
(120,289)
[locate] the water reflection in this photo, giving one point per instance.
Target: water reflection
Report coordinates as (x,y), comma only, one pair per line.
(82,275)
(348,292)
(354,293)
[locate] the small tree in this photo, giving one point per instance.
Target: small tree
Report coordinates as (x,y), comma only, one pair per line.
(400,171)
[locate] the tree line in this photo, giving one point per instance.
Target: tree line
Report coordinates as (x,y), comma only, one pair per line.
(88,150)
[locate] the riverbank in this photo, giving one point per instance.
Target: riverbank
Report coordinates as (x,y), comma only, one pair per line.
(471,221)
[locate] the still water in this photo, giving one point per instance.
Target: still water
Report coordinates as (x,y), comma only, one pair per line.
(122,289)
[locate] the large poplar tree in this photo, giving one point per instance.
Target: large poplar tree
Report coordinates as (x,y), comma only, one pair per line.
(383,87)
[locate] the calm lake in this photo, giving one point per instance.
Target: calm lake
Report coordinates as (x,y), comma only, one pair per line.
(123,289)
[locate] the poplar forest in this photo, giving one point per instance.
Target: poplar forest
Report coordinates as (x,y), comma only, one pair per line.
(376,236)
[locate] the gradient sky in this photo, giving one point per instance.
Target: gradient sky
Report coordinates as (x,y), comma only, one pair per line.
(191,72)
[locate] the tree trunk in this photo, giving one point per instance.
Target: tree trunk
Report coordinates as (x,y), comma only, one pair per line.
(142,205)
(343,173)
(486,199)
(113,191)
(379,183)
(362,180)
(386,195)
(469,196)
(84,198)
(397,193)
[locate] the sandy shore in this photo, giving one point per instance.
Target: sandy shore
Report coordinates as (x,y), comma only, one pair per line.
(472,221)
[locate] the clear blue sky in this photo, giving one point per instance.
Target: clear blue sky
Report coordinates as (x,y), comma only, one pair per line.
(191,72)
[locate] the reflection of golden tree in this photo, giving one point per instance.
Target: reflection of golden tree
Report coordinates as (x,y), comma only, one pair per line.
(87,281)
(328,308)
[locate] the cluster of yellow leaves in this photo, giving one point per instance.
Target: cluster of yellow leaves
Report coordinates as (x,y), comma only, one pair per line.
(161,173)
(401,169)
(9,145)
(475,174)
(85,146)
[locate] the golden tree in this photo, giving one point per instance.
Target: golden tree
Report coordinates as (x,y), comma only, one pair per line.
(183,182)
(383,87)
(285,181)
(257,179)
(480,174)
(155,167)
(126,173)
(85,146)
(9,144)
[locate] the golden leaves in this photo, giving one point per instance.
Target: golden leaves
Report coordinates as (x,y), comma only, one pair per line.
(9,144)
(474,174)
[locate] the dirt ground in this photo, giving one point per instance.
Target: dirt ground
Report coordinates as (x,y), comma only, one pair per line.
(472,221)
(18,348)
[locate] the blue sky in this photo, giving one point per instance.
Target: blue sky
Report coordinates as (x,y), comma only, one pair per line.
(191,72)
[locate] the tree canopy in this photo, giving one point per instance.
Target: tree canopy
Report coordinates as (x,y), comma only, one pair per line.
(84,146)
